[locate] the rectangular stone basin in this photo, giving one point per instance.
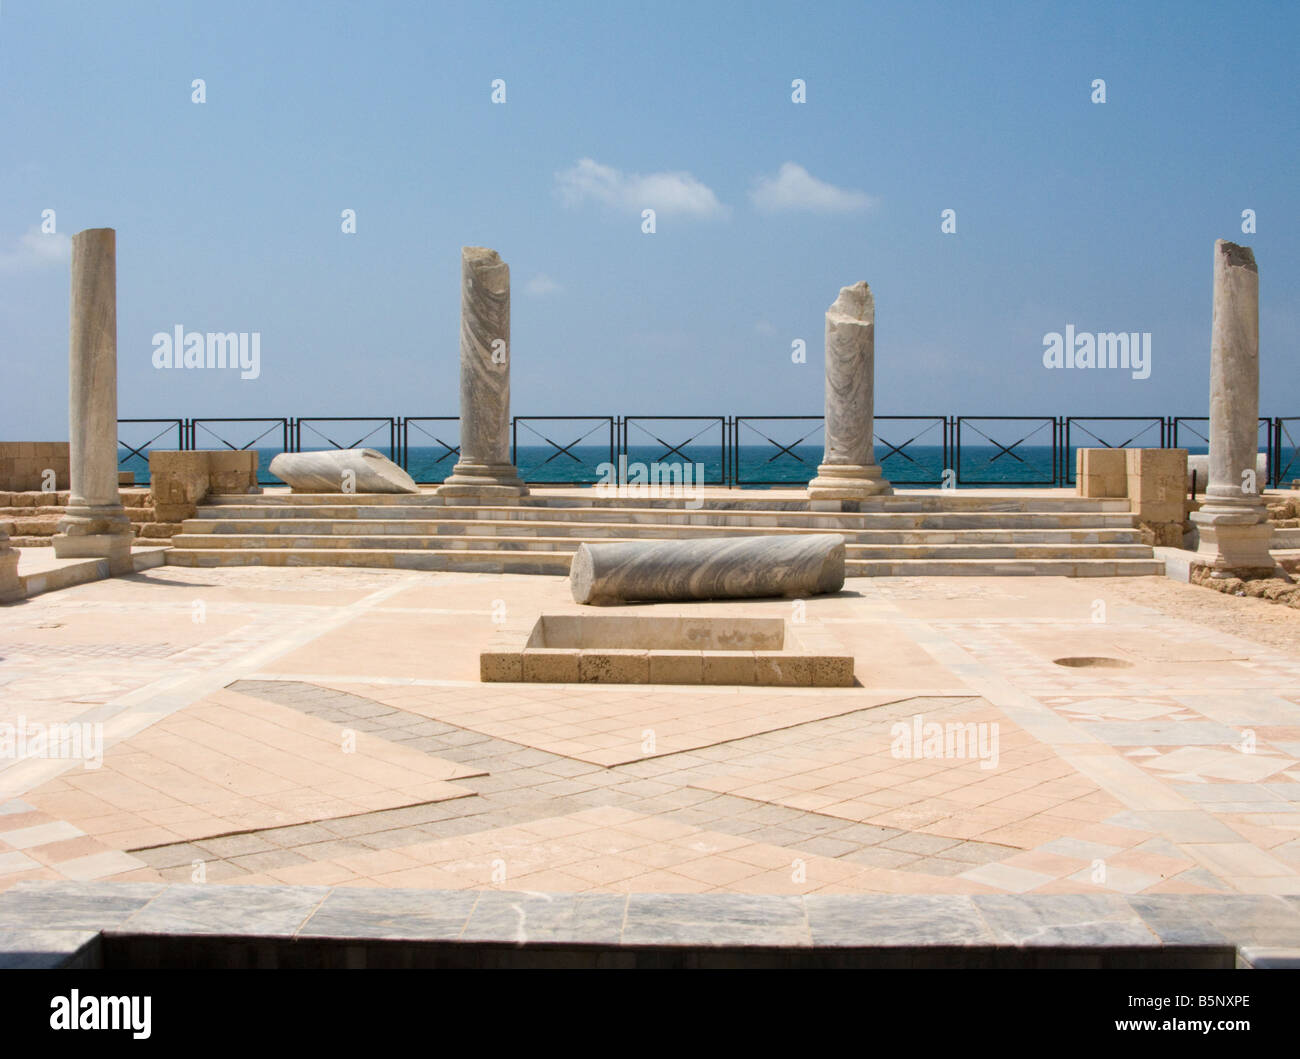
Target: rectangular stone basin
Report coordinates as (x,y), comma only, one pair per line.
(645,649)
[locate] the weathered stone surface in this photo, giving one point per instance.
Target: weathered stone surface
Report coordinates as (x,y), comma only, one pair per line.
(95,524)
(1100,473)
(849,470)
(484,468)
(342,471)
(232,472)
(1233,520)
(1156,487)
(708,568)
(177,482)
(24,464)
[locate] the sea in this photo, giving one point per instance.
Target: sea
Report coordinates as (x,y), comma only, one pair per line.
(754,466)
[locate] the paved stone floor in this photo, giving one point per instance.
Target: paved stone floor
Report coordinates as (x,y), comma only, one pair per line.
(325,727)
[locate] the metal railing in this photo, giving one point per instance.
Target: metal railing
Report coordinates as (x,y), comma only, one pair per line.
(741,451)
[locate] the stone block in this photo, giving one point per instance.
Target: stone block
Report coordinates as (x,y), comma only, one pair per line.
(177,482)
(497,666)
(676,667)
(778,669)
(1100,473)
(614,666)
(832,671)
(728,667)
(1157,483)
(550,665)
(232,471)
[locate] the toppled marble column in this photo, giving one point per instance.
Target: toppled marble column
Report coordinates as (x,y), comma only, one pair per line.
(95,524)
(1233,519)
(341,471)
(708,568)
(849,470)
(484,468)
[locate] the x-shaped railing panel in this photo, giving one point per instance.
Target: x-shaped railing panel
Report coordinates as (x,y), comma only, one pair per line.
(571,467)
(1033,467)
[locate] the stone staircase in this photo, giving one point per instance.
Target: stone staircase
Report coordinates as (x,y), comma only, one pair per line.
(902,535)
(31,518)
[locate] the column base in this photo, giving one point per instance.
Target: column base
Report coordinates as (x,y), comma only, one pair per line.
(846,481)
(1234,543)
(11,586)
(99,532)
(490,480)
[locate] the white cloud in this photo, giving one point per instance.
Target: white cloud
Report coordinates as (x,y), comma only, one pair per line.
(666,193)
(794,188)
(34,250)
(541,285)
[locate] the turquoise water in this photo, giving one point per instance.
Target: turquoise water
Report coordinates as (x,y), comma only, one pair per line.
(765,464)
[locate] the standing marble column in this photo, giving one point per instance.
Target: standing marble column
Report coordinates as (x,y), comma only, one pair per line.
(95,524)
(849,470)
(1233,520)
(484,468)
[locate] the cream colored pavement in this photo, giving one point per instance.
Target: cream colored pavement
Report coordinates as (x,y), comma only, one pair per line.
(327,726)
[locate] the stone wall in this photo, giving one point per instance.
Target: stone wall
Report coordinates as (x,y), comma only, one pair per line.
(1153,480)
(23,465)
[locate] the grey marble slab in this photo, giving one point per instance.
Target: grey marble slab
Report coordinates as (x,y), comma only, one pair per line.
(73,905)
(1082,920)
(28,950)
(1242,919)
(895,920)
(715,919)
(221,909)
(382,913)
(531,918)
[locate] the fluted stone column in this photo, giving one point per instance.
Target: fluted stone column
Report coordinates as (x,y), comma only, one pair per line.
(1233,520)
(849,470)
(95,524)
(484,468)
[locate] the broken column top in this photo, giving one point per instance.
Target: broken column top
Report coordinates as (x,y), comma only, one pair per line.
(1236,255)
(480,255)
(854,303)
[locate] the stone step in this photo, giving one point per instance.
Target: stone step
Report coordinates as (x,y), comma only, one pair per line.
(798,520)
(533,562)
(758,500)
(522,528)
(494,562)
(1004,568)
(998,551)
(467,542)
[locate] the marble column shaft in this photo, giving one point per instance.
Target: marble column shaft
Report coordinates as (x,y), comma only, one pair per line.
(1233,524)
(849,470)
(95,524)
(484,467)
(793,566)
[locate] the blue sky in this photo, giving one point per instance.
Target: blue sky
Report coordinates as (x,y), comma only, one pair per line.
(1102,216)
